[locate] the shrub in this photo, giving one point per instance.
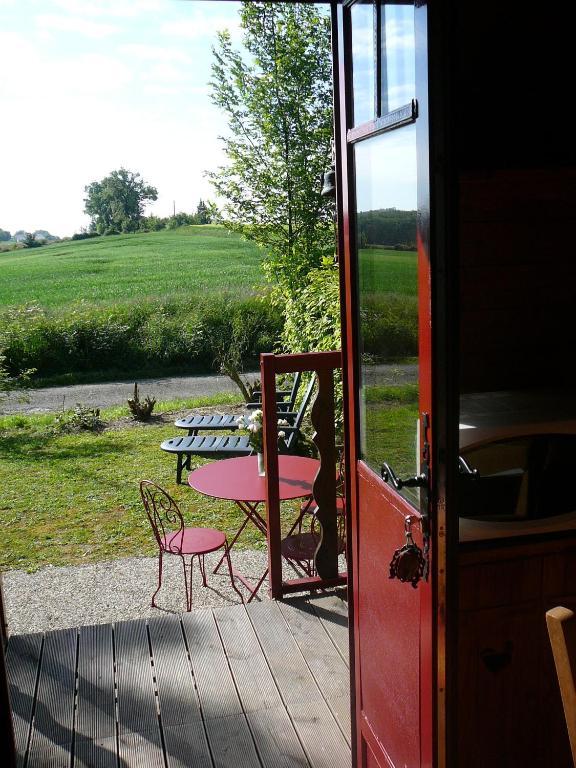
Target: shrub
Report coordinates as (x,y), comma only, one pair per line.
(141,409)
(82,418)
(312,324)
(312,316)
(389,326)
(135,338)
(84,235)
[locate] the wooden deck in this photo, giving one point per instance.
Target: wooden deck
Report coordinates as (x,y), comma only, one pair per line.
(262,686)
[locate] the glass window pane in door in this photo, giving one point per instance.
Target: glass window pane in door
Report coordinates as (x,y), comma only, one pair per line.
(363,62)
(397,56)
(386,203)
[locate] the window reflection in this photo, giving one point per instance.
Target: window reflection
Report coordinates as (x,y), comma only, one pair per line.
(363,64)
(385,168)
(397,56)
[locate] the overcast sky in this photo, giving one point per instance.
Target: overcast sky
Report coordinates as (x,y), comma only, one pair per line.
(88,86)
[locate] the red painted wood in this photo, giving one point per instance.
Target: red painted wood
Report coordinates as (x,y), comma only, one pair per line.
(394,626)
(310,361)
(268,366)
(389,638)
(238,479)
(323,365)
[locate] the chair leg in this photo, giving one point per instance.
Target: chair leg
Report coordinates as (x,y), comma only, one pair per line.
(188,586)
(230,571)
(202,570)
(159,578)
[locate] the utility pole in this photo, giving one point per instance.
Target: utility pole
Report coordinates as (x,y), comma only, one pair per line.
(174,207)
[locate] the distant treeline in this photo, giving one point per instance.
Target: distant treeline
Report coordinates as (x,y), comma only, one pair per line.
(388,227)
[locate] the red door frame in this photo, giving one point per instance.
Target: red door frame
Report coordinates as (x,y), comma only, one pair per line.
(437,356)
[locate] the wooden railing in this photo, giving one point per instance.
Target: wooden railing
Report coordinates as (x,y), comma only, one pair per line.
(322,364)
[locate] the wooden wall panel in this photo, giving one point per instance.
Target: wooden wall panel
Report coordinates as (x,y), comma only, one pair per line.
(517,278)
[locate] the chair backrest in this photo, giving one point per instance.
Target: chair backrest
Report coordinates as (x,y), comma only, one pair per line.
(164,516)
(294,390)
(561,624)
(305,402)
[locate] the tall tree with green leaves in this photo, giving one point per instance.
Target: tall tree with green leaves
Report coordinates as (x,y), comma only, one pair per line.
(116,204)
(277,97)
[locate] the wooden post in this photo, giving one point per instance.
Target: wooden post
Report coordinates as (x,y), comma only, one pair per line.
(268,378)
(326,558)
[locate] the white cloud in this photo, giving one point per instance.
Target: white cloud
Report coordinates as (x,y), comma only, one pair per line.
(78,26)
(114,8)
(154,53)
(35,78)
(201,25)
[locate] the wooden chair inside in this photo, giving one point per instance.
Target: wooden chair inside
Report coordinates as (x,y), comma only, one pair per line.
(561,624)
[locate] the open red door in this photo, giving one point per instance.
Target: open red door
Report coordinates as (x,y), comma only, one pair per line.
(384,211)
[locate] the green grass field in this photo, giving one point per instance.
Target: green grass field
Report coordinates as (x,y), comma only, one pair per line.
(181,263)
(73,498)
(388,271)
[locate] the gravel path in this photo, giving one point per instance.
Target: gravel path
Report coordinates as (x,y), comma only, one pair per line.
(113,393)
(56,598)
(53,399)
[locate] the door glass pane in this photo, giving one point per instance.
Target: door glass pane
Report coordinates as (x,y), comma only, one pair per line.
(363,64)
(385,169)
(397,56)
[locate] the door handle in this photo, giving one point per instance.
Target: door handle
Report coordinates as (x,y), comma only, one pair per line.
(389,476)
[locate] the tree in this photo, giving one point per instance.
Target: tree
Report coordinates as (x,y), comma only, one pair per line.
(31,241)
(279,111)
(203,213)
(116,204)
(5,235)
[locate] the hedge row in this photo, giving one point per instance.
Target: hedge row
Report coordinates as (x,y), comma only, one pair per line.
(138,337)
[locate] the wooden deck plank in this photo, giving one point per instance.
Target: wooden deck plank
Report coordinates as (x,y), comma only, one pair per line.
(177,697)
(228,733)
(22,661)
(96,753)
(262,676)
(186,746)
(249,667)
(52,731)
(139,741)
(276,739)
(95,703)
(216,689)
(332,610)
(141,750)
(322,658)
(274,735)
(322,739)
(231,742)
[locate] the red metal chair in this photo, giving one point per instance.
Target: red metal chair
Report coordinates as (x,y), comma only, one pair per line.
(173,538)
(300,547)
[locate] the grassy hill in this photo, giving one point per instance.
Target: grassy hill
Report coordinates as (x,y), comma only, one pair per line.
(181,263)
(133,305)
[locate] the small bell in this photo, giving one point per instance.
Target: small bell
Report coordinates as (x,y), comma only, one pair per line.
(329,183)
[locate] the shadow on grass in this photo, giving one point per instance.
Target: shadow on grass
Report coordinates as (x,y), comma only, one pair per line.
(28,447)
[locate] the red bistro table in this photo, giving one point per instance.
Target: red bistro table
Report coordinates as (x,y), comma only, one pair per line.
(238,480)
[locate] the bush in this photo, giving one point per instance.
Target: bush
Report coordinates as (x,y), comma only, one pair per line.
(312,324)
(84,235)
(135,338)
(312,316)
(389,326)
(82,418)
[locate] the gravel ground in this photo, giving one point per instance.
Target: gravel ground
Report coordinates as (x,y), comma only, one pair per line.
(118,590)
(113,393)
